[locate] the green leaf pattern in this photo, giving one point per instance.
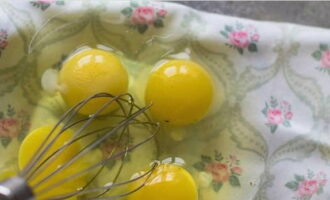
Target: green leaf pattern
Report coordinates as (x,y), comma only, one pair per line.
(57,29)
(295,150)
(252,78)
(246,136)
(306,89)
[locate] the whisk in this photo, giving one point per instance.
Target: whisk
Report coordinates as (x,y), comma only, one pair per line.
(18,187)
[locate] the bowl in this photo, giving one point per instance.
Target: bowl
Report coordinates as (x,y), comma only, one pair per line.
(267,128)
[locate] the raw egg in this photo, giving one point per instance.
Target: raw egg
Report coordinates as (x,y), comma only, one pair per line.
(30,146)
(180,92)
(167,182)
(91,71)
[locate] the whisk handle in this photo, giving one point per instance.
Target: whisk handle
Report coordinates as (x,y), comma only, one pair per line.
(15,189)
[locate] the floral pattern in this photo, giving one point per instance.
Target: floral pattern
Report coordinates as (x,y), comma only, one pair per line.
(222,169)
(111,147)
(280,60)
(277,113)
(3,40)
(305,187)
(241,37)
(322,55)
(44,4)
(141,17)
(13,124)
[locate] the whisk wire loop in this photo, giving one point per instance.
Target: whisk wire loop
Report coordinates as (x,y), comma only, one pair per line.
(130,114)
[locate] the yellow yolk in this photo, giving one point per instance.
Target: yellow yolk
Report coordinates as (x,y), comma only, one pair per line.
(180,91)
(29,147)
(167,182)
(7,173)
(89,72)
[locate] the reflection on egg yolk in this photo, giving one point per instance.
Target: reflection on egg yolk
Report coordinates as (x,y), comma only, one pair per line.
(180,91)
(89,72)
(167,182)
(29,147)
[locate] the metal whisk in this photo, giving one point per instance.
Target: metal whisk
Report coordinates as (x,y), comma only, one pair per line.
(18,187)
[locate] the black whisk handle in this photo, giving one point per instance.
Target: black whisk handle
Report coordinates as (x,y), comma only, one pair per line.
(15,189)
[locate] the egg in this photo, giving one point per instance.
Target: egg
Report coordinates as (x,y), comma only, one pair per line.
(88,72)
(167,181)
(180,91)
(30,146)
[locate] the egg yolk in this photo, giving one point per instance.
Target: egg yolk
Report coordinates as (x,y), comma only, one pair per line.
(167,182)
(89,72)
(7,173)
(29,147)
(180,92)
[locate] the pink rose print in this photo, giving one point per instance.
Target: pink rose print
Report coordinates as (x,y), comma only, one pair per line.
(141,17)
(274,116)
(322,55)
(285,104)
(288,115)
(3,44)
(326,59)
(321,177)
(241,37)
(12,125)
(277,113)
(323,181)
(222,169)
(219,171)
(256,37)
(233,159)
(236,170)
(162,13)
(9,127)
(3,33)
(3,40)
(305,187)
